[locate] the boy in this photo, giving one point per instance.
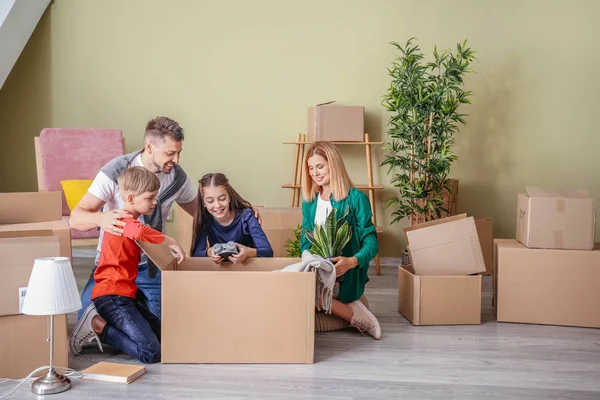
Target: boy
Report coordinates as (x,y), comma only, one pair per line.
(115,317)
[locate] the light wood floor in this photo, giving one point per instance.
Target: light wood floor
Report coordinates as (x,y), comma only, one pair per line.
(488,361)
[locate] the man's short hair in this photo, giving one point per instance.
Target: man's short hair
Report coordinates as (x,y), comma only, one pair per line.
(162,127)
(138,180)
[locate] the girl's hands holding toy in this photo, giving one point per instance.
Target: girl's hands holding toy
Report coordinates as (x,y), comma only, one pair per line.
(244,252)
(217,259)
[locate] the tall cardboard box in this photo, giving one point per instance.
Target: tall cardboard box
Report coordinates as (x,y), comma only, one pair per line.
(17,256)
(445,246)
(332,122)
(234,313)
(546,286)
(24,346)
(439,300)
(556,219)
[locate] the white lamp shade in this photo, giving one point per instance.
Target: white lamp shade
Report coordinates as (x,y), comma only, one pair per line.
(52,288)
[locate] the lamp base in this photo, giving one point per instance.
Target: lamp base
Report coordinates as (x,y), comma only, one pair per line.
(51,383)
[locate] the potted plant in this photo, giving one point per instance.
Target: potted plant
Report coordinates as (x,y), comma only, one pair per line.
(424,100)
(328,240)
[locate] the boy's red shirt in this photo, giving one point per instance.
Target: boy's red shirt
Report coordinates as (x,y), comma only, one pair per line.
(119,258)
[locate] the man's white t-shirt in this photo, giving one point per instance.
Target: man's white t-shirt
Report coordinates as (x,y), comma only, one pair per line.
(323,209)
(108,191)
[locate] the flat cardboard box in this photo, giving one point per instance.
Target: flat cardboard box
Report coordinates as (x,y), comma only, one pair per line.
(59,229)
(446,246)
(439,300)
(19,208)
(485,232)
(234,313)
(23,345)
(545,286)
(556,219)
(332,122)
(279,224)
(17,256)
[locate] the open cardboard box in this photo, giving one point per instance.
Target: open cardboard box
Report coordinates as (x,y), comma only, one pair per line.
(439,300)
(556,219)
(546,286)
(445,246)
(234,313)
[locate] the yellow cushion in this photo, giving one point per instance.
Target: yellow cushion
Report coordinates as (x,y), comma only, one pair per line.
(74,190)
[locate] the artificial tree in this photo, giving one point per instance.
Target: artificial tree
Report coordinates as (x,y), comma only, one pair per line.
(424,100)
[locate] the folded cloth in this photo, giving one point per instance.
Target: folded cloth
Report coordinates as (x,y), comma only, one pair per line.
(325,277)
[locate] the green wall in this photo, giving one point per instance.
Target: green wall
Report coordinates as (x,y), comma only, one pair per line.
(245,73)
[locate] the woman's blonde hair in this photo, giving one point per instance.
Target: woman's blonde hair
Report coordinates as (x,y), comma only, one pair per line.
(339,180)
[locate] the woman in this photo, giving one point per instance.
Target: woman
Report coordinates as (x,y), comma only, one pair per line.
(326,185)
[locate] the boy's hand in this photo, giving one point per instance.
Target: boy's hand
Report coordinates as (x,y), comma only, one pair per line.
(178,252)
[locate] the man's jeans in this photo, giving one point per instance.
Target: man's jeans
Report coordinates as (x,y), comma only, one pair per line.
(148,291)
(130,327)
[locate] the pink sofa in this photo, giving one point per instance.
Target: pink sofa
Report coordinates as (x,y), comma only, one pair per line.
(63,154)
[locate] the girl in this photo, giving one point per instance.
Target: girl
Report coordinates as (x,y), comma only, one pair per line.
(326,185)
(224,216)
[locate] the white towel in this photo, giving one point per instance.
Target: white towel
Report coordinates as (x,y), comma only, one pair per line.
(325,276)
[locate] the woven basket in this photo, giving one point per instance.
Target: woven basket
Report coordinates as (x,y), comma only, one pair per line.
(329,322)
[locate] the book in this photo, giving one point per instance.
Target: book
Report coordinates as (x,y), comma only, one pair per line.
(113,372)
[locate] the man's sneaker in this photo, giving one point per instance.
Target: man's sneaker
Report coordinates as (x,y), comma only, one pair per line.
(83,333)
(364,320)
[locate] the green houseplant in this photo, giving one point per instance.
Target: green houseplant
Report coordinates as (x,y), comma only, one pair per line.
(328,240)
(293,245)
(424,100)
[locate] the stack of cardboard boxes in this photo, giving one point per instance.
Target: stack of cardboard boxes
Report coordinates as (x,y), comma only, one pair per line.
(442,286)
(550,274)
(31,226)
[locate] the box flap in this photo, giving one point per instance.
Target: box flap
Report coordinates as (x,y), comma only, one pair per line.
(159,254)
(432,223)
(551,193)
(450,248)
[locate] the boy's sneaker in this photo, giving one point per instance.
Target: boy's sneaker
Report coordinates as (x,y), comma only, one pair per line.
(364,320)
(83,333)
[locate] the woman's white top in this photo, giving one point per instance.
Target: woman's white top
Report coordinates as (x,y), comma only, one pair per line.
(323,209)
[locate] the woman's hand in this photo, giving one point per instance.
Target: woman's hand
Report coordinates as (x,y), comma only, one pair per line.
(244,252)
(217,259)
(344,264)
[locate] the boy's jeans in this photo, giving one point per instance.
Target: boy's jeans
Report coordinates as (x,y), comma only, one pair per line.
(130,327)
(148,291)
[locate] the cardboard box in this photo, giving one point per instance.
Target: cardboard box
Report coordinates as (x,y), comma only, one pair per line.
(446,246)
(18,208)
(439,300)
(279,224)
(485,232)
(544,286)
(23,345)
(327,121)
(234,313)
(185,229)
(59,229)
(556,219)
(17,256)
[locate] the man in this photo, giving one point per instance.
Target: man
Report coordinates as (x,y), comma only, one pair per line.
(162,148)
